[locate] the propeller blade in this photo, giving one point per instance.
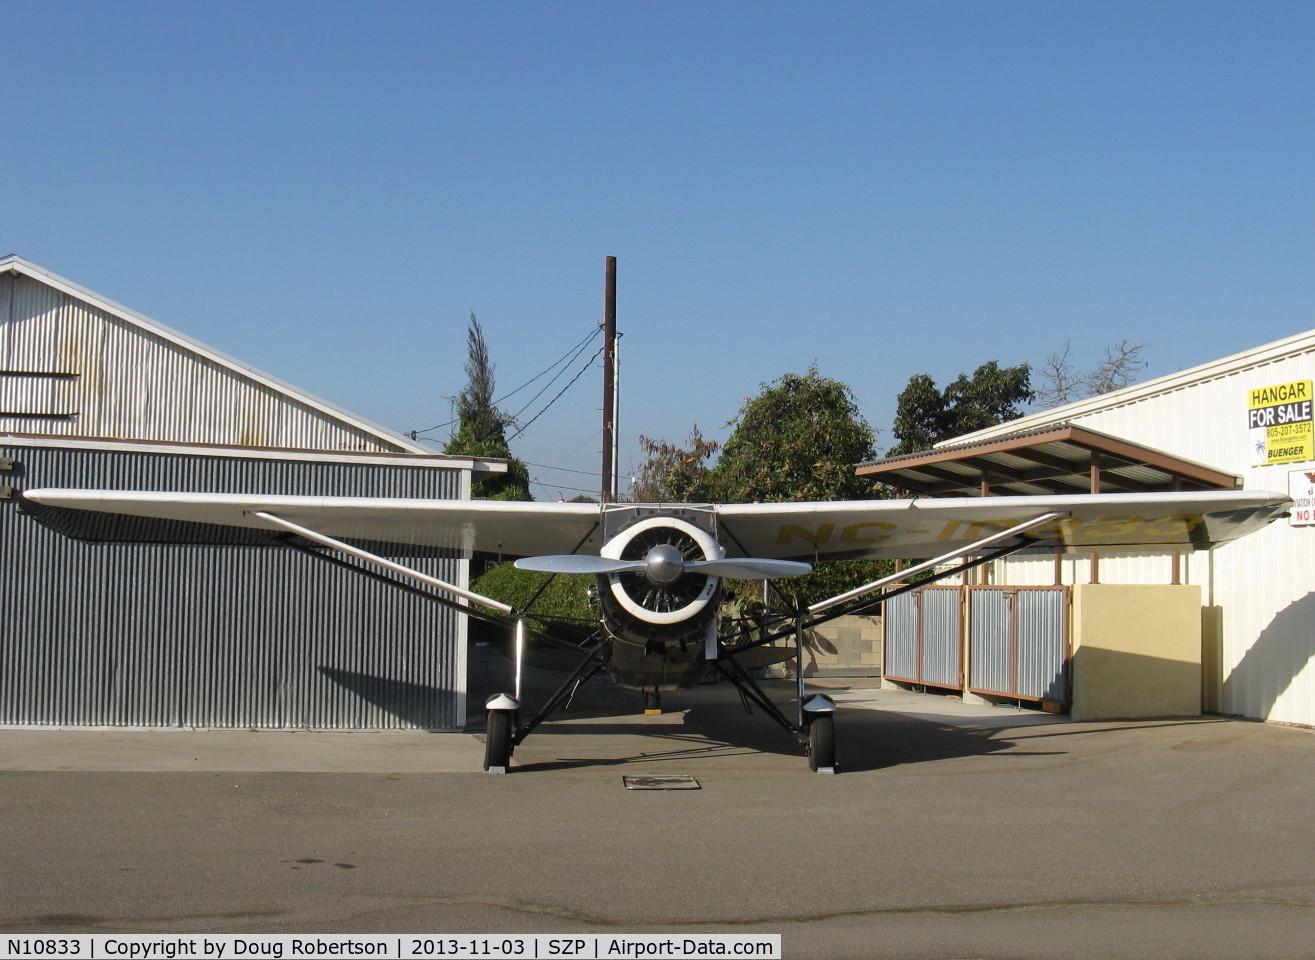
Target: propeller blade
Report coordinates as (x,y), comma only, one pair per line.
(743,569)
(748,568)
(578,563)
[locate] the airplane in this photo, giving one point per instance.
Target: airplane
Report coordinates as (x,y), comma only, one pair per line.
(657,571)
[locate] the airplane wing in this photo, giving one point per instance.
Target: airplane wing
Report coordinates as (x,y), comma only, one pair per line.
(918,529)
(912,529)
(493,526)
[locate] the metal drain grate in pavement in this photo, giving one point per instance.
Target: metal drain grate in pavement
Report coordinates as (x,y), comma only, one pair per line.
(661,783)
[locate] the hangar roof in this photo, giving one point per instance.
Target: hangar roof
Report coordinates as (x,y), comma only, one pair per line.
(287,454)
(389,439)
(1058,459)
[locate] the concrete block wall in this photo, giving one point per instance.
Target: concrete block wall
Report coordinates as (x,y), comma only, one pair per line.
(845,647)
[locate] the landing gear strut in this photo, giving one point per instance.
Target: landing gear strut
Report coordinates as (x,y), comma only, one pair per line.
(815,729)
(503,727)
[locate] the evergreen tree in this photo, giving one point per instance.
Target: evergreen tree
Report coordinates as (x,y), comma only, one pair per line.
(482,427)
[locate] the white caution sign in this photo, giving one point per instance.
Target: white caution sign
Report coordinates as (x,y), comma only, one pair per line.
(1301,488)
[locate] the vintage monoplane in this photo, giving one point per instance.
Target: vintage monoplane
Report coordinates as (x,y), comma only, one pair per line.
(657,570)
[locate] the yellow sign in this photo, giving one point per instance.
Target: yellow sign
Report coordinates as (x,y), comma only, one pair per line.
(1279,423)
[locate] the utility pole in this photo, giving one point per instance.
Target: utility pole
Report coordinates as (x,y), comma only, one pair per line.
(608,491)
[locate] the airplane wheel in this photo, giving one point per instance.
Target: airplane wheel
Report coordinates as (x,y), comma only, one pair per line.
(497,739)
(822,742)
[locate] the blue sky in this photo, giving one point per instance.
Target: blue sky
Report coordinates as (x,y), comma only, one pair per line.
(327,190)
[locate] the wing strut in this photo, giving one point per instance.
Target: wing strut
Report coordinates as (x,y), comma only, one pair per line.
(824,605)
(369,557)
(815,724)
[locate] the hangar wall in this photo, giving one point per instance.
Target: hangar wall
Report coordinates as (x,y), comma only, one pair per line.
(73,363)
(93,394)
(204,636)
(1260,591)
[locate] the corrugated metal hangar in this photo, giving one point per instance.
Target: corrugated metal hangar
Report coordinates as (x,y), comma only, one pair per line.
(164,635)
(1249,417)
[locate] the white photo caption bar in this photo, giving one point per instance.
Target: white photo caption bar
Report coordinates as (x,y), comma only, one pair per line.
(391,946)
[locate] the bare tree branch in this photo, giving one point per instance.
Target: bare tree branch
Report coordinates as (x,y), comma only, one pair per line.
(1122,363)
(1060,383)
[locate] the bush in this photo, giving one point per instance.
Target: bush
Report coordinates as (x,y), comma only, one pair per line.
(561,611)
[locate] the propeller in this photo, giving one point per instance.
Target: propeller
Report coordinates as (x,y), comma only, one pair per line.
(664,563)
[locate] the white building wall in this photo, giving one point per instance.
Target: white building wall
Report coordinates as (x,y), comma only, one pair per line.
(1264,585)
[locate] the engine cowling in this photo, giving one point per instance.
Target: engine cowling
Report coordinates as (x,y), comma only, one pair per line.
(658,586)
(660,615)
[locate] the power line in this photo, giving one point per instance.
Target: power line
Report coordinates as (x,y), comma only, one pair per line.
(587,365)
(563,361)
(549,488)
(544,466)
(569,454)
(580,446)
(582,347)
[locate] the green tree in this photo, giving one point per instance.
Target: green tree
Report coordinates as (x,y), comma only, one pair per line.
(926,415)
(799,439)
(482,427)
(674,474)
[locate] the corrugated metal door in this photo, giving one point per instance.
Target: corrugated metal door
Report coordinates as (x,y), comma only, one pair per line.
(1018,642)
(1043,647)
(900,616)
(923,642)
(991,639)
(187,635)
(942,642)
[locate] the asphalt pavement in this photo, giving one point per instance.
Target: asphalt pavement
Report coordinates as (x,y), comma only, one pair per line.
(952,831)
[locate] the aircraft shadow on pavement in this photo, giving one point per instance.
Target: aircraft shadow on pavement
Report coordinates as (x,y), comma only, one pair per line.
(709,723)
(866,739)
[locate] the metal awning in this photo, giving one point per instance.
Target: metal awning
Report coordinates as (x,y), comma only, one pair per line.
(1057,459)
